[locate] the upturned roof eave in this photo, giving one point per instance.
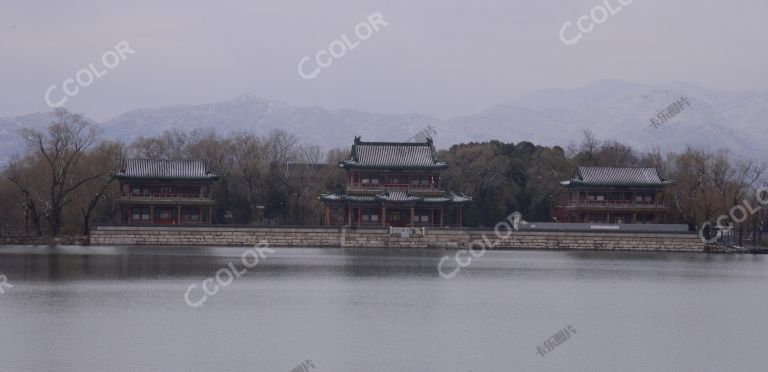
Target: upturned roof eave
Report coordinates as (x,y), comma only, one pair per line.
(587,184)
(397,167)
(380,198)
(166,178)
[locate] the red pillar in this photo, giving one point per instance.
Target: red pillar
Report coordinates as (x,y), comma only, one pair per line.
(383,216)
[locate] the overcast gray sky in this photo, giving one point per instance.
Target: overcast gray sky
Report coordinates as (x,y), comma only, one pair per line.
(439,57)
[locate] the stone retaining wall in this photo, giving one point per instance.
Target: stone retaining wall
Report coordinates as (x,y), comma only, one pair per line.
(43,240)
(380,238)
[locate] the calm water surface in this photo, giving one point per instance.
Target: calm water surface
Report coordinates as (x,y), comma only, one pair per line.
(123,309)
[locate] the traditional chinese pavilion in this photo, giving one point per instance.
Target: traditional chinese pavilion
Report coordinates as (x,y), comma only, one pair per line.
(394,184)
(614,195)
(157,192)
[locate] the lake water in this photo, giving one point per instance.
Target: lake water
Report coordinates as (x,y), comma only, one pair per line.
(123,309)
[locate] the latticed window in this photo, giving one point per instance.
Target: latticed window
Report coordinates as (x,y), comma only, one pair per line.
(139,190)
(421,181)
(370,216)
(140,214)
(644,197)
(370,180)
(190,214)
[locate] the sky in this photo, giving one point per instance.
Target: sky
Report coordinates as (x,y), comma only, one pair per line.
(436,57)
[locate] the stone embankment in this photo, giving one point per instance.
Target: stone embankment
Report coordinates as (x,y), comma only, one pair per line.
(348,237)
(44,240)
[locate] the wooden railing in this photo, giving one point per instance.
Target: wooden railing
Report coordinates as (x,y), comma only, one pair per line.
(407,232)
(616,204)
(395,186)
(164,196)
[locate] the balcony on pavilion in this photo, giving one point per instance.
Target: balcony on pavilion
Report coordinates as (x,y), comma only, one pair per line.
(614,195)
(166,192)
(394,184)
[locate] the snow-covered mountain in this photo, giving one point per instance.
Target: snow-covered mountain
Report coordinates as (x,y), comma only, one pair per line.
(329,128)
(621,111)
(612,109)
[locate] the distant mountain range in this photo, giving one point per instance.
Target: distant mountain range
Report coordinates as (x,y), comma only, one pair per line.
(612,109)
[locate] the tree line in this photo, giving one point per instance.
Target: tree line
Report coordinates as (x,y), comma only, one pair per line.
(62,184)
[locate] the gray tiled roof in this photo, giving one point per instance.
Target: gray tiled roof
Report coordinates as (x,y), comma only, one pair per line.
(164,169)
(410,155)
(610,176)
(399,197)
(449,197)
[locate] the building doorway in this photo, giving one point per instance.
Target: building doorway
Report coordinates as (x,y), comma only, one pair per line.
(397,218)
(165,216)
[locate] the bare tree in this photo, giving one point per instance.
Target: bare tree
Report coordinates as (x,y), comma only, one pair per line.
(61,148)
(24,181)
(105,158)
(281,146)
(589,145)
(249,160)
(304,181)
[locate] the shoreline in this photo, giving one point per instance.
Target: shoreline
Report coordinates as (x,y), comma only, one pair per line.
(707,250)
(381,237)
(378,237)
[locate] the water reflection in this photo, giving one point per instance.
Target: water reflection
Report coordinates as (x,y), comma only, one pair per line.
(114,263)
(122,309)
